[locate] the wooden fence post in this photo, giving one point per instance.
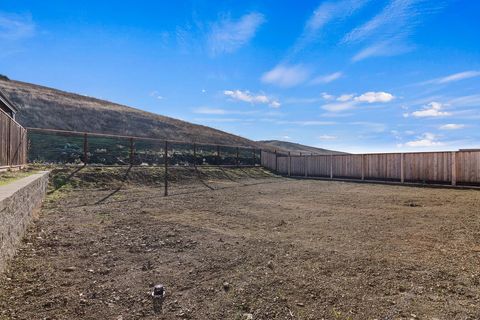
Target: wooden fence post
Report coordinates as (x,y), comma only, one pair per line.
(289,164)
(85,148)
(276,161)
(165,159)
(454,168)
(402,168)
(331,166)
(305,165)
(132,151)
(363,167)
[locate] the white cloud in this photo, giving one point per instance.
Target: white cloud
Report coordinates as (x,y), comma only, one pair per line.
(433,109)
(454,77)
(155,94)
(425,140)
(327,137)
(246,96)
(349,101)
(327,96)
(452,126)
(16,27)
(275,104)
(345,97)
(375,97)
(286,76)
(228,35)
(327,78)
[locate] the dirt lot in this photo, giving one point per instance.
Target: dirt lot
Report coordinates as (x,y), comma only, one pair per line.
(259,247)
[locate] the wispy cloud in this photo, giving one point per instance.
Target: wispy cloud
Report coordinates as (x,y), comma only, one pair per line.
(326,137)
(433,109)
(454,77)
(246,96)
(155,94)
(385,48)
(327,78)
(452,126)
(286,76)
(326,13)
(340,106)
(15,27)
(388,31)
(304,123)
(229,35)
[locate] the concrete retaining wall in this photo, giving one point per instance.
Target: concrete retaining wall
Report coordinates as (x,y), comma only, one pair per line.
(18,202)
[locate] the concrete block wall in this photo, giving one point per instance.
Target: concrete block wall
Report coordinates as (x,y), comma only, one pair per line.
(19,200)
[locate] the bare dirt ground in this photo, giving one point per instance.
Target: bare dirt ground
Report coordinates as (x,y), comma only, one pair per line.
(260,247)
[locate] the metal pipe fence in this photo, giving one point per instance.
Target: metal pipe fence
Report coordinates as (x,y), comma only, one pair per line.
(48,146)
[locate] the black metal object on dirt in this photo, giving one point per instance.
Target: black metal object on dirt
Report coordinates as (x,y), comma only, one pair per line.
(158,296)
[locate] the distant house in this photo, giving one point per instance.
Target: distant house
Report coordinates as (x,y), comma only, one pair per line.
(7,106)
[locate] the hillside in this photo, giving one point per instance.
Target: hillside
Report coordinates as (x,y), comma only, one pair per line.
(297,148)
(43,107)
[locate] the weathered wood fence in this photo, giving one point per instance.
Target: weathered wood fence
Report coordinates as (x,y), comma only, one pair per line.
(13,142)
(455,168)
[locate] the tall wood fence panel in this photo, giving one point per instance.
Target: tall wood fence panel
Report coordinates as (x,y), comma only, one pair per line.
(461,167)
(468,167)
(383,166)
(13,142)
(318,166)
(347,166)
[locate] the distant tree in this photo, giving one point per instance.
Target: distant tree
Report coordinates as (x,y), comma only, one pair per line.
(3,77)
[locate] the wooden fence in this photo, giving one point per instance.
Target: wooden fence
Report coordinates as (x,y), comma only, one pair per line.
(13,142)
(460,167)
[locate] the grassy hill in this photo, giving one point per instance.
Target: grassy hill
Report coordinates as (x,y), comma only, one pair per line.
(43,107)
(297,148)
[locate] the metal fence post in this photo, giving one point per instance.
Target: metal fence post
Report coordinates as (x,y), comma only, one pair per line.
(218,155)
(85,148)
(237,158)
(132,151)
(165,159)
(195,155)
(254,157)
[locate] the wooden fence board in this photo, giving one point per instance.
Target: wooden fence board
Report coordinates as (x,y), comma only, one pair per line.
(13,142)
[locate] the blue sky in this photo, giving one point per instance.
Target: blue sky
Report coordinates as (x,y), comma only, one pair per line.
(352,75)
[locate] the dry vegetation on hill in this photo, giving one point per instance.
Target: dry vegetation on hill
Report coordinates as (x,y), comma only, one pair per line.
(50,108)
